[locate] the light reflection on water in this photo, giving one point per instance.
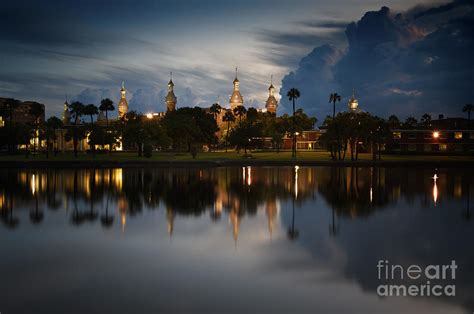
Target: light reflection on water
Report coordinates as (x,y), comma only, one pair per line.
(289,239)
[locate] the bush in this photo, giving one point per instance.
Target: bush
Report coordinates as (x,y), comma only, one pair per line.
(147,151)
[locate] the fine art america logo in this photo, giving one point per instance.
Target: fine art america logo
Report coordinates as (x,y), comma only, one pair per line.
(431,280)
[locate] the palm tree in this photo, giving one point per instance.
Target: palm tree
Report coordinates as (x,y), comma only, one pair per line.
(76,110)
(106,105)
(51,125)
(215,110)
(333,98)
(240,111)
(292,95)
(91,110)
(468,108)
(229,118)
(36,110)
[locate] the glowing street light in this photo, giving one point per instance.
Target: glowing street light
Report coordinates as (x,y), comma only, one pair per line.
(435,134)
(149,115)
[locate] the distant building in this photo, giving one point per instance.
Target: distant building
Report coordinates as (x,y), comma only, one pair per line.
(123,103)
(444,135)
(306,140)
(272,104)
(236,98)
(171,99)
(21,110)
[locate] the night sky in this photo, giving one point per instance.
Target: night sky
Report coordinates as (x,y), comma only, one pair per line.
(410,63)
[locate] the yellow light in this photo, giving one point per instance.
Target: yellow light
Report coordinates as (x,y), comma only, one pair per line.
(149,115)
(249,176)
(435,134)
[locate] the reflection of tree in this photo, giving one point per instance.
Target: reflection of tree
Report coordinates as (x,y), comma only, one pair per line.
(350,192)
(36,216)
(467,215)
(333,229)
(10,221)
(105,219)
(77,217)
(293,233)
(347,190)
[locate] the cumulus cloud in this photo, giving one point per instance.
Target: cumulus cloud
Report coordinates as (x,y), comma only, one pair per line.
(94,96)
(396,63)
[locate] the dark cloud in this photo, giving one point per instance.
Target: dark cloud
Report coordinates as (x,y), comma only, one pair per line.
(444,8)
(315,80)
(395,66)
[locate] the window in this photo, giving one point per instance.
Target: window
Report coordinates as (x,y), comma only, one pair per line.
(442,134)
(458,135)
(428,135)
(471,135)
(427,147)
(412,136)
(412,147)
(398,135)
(443,147)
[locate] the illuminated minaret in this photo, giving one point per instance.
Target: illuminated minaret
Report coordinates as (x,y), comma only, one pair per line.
(123,104)
(353,104)
(170,99)
(66,114)
(236,98)
(271,103)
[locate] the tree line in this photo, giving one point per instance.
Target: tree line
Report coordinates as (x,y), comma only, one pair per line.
(189,129)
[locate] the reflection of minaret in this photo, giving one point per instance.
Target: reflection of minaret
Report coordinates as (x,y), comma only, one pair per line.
(235,221)
(236,98)
(170,98)
(122,207)
(271,103)
(170,220)
(123,103)
(271,211)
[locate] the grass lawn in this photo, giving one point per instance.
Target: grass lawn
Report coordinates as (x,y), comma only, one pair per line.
(223,156)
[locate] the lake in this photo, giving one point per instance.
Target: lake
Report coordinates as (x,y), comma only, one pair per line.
(232,240)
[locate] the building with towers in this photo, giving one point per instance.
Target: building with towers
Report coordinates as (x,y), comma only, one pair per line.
(171,98)
(236,98)
(271,104)
(66,115)
(123,103)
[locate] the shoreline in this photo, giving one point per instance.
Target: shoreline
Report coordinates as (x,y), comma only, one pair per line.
(58,164)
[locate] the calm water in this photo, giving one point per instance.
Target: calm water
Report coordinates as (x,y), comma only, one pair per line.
(230,239)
